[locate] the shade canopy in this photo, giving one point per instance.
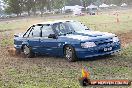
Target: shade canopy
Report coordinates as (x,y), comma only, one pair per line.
(92,6)
(123,4)
(104,6)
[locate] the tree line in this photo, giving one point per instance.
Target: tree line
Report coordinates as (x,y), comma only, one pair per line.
(32,6)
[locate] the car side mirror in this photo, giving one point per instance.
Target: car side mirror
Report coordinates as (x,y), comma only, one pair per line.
(52,36)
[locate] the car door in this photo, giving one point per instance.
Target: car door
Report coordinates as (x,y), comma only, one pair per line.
(49,45)
(34,38)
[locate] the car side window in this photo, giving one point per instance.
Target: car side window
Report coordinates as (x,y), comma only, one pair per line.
(35,31)
(60,28)
(46,31)
(56,27)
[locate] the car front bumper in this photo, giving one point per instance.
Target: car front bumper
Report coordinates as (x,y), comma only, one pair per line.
(97,51)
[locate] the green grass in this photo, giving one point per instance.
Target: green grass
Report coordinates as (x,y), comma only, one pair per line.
(60,74)
(107,22)
(102,22)
(18,24)
(52,72)
(11,25)
(5,40)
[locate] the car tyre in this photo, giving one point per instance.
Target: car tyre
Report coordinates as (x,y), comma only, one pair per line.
(70,54)
(27,51)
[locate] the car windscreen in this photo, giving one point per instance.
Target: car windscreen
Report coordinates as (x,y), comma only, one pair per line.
(63,28)
(78,27)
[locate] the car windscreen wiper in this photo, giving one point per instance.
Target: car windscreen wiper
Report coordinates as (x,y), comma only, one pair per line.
(87,29)
(71,32)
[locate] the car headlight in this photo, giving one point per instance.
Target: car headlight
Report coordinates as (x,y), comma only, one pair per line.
(88,44)
(115,39)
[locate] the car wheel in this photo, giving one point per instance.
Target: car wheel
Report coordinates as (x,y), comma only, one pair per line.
(28,51)
(69,53)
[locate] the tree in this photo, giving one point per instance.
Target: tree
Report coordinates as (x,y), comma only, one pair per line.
(13,6)
(28,4)
(19,6)
(58,4)
(34,8)
(87,2)
(73,2)
(41,5)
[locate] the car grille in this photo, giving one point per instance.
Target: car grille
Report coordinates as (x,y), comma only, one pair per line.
(104,41)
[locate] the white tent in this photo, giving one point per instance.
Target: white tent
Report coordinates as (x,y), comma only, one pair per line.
(113,5)
(92,6)
(68,7)
(104,6)
(79,7)
(124,4)
(72,7)
(77,11)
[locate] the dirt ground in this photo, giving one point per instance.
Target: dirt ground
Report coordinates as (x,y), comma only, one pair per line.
(125,38)
(10,65)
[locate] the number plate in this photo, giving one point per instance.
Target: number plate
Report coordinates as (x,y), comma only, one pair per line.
(108,49)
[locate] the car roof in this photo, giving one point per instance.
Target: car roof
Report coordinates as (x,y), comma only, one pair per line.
(53,22)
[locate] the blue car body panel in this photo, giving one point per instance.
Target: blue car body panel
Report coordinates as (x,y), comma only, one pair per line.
(56,46)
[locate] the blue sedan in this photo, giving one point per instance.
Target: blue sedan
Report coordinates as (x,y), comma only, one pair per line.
(67,38)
